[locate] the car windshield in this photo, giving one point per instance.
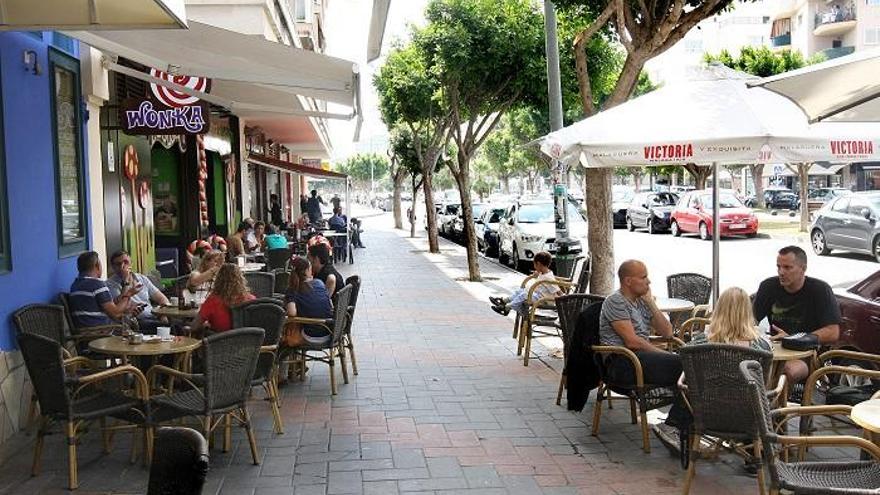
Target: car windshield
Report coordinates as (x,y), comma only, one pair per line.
(664,200)
(727,201)
(496,215)
(543,213)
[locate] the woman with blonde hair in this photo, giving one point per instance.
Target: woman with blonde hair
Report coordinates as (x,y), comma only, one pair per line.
(733,323)
(229,289)
(202,278)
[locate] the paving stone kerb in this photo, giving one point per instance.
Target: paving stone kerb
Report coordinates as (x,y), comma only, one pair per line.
(441,405)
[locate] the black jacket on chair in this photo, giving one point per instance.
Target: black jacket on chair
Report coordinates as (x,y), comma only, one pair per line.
(581,372)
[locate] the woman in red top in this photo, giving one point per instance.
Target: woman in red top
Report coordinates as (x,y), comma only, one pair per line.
(229,289)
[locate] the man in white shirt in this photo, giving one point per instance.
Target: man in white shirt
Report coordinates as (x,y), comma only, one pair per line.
(147,295)
(517,300)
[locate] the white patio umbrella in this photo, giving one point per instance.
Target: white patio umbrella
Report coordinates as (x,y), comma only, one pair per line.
(711,119)
(843,89)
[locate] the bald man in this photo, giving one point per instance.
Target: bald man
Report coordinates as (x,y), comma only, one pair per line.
(627,318)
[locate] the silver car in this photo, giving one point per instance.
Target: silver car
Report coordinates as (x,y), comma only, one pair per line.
(849,223)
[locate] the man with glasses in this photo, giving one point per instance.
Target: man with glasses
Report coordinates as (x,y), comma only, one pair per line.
(124,278)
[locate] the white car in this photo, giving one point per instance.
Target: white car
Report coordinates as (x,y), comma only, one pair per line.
(445,217)
(528,228)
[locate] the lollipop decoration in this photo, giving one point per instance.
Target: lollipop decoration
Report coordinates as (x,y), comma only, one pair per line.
(131,166)
(203,176)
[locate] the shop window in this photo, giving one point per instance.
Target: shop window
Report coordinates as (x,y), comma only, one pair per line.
(5,250)
(69,170)
(872,35)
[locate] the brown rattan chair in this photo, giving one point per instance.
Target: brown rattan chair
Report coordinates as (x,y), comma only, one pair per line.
(75,399)
(83,335)
(570,308)
(261,284)
(334,347)
(180,462)
(718,398)
(221,391)
(347,342)
(540,315)
(270,316)
(847,477)
(692,326)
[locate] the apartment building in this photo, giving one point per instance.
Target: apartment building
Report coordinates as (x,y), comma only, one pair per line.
(832,28)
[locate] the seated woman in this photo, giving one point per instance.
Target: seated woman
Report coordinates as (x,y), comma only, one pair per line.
(733,323)
(274,240)
(229,289)
(306,297)
(202,278)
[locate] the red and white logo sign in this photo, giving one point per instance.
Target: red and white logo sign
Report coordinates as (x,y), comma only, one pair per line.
(176,99)
(765,154)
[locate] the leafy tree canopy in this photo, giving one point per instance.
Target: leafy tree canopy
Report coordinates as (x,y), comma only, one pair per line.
(762,61)
(363,167)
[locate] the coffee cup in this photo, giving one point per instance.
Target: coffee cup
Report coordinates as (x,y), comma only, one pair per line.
(136,338)
(164,333)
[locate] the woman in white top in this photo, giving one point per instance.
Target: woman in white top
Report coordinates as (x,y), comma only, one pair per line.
(201,279)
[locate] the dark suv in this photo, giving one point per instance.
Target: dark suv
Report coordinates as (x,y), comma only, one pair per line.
(850,223)
(781,199)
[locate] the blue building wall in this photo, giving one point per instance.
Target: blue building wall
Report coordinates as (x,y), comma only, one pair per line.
(38,272)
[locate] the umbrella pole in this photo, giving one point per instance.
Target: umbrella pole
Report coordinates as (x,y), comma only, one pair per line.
(716,231)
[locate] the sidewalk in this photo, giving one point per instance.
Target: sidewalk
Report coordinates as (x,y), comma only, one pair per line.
(441,405)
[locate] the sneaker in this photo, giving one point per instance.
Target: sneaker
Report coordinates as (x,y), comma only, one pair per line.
(796,394)
(751,465)
(668,436)
(501,310)
(496,301)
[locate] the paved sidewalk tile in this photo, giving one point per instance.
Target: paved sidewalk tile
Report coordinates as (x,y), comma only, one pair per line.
(441,404)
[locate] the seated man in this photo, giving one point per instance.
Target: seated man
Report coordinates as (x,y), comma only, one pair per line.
(236,242)
(123,278)
(627,317)
(91,304)
(517,300)
(322,269)
(793,302)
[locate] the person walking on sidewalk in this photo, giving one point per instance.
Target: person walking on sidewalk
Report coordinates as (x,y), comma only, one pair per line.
(517,300)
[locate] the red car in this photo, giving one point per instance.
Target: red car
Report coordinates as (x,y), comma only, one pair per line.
(693,214)
(860,315)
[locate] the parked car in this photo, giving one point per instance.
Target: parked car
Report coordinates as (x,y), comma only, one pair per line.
(621,197)
(860,315)
(456,225)
(850,223)
(816,198)
(693,213)
(445,216)
(529,227)
(771,192)
(487,230)
(438,208)
(651,210)
(782,200)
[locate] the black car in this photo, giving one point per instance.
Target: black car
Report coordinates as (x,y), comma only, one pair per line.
(781,199)
(651,210)
(620,200)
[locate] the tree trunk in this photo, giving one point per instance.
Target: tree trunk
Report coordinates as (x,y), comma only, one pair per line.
(397,180)
(505,183)
(430,211)
(758,181)
(700,173)
(804,179)
(463,181)
(600,234)
(412,208)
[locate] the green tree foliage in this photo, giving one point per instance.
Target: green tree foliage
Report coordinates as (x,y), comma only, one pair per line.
(364,167)
(762,61)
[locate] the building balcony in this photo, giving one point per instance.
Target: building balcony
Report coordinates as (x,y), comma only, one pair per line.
(835,22)
(780,41)
(840,51)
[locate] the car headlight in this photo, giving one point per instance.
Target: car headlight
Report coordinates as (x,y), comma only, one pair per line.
(530,238)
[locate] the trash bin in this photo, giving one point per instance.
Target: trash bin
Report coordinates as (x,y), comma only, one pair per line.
(567,254)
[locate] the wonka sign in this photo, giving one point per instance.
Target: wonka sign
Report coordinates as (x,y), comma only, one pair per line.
(166,110)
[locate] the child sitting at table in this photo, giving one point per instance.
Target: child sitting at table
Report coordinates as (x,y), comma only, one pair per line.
(517,300)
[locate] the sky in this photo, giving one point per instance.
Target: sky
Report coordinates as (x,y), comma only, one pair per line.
(347,28)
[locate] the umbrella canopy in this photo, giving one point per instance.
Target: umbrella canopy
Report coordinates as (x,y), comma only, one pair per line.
(844,89)
(711,119)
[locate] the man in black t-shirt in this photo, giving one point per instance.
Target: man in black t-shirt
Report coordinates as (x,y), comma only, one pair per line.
(323,270)
(793,302)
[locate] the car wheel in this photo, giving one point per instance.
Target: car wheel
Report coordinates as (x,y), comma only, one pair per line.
(629,224)
(651,229)
(502,256)
(877,248)
(704,232)
(817,239)
(676,232)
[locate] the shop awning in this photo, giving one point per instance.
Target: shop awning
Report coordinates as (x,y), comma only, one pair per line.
(377,28)
(249,75)
(292,167)
(46,15)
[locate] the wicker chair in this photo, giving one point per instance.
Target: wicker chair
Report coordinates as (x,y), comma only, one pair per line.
(282,280)
(82,335)
(717,397)
(261,284)
(354,282)
(74,398)
(570,308)
(583,279)
(334,347)
(268,315)
(835,364)
(848,477)
(693,325)
(541,314)
(640,395)
(692,287)
(221,391)
(277,259)
(180,462)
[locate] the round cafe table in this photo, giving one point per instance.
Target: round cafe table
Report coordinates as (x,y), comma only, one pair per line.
(867,415)
(118,346)
(781,355)
(175,313)
(673,305)
(252,267)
